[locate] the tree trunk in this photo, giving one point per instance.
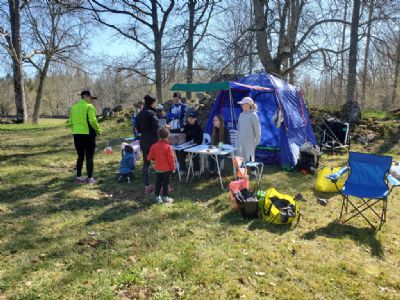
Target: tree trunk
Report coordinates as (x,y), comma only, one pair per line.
(158,67)
(190,46)
(251,41)
(18,72)
(39,92)
(262,38)
(396,72)
(351,109)
(366,53)
(341,75)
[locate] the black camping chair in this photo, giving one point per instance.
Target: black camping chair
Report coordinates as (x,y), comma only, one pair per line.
(335,135)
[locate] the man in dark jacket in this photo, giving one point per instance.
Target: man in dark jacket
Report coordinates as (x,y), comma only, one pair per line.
(147,126)
(194,133)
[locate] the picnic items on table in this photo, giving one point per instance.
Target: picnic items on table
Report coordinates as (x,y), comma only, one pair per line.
(180,147)
(213,152)
(177,138)
(324,184)
(368,181)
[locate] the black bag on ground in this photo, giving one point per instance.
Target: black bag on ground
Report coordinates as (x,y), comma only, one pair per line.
(247,204)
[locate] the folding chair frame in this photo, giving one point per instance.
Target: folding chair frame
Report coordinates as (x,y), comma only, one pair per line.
(359,209)
(365,204)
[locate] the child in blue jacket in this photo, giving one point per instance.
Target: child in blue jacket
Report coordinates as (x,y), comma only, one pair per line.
(127,165)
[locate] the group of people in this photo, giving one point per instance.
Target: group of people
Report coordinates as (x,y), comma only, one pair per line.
(154,139)
(153,126)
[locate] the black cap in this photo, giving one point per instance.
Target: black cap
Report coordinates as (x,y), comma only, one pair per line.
(88,93)
(193,114)
(149,100)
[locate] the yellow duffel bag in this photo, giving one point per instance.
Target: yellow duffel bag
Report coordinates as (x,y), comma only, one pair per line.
(323,184)
(278,208)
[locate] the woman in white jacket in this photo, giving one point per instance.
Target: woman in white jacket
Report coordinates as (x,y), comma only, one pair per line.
(249,129)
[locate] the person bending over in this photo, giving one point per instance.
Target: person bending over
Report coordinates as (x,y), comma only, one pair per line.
(194,133)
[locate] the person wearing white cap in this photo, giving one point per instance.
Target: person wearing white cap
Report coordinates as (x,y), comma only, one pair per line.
(249,129)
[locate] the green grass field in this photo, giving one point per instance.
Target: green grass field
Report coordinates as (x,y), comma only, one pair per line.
(59,240)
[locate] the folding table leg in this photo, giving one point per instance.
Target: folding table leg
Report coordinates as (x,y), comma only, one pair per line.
(190,165)
(219,171)
(233,164)
(178,167)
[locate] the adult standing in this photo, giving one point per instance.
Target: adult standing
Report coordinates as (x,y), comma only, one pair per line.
(84,125)
(176,114)
(249,129)
(147,126)
(137,108)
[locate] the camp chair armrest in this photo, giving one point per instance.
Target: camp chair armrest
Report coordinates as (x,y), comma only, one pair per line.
(393,181)
(335,176)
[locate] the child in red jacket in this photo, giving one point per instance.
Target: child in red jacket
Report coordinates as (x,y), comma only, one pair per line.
(164,164)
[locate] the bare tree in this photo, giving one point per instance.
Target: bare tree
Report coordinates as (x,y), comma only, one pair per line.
(396,60)
(279,46)
(364,74)
(13,43)
(343,46)
(142,14)
(57,38)
(199,14)
(351,109)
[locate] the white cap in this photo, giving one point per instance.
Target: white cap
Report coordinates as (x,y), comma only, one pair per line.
(246,100)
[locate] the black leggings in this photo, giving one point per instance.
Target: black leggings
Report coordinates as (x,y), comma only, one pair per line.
(162,180)
(85,146)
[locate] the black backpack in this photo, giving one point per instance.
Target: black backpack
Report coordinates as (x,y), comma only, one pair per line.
(247,204)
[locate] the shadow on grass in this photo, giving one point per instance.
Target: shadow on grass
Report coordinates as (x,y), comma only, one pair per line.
(30,155)
(233,217)
(364,235)
(389,143)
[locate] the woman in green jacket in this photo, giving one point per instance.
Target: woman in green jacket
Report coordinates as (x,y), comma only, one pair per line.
(84,125)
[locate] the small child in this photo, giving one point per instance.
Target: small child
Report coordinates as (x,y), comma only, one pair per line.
(164,164)
(127,164)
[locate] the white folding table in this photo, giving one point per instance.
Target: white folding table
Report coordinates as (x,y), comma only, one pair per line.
(213,152)
(180,147)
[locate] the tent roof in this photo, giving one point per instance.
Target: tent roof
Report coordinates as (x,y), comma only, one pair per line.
(215,86)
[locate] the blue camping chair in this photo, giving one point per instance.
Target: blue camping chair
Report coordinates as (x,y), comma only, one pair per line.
(368,180)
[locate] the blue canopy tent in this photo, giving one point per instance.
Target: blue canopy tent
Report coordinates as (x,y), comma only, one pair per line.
(279,142)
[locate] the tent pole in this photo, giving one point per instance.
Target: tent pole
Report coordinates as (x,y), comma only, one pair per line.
(232,110)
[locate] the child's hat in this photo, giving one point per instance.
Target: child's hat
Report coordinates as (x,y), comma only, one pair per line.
(246,100)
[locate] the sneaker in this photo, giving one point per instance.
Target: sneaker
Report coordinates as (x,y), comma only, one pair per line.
(148,189)
(80,180)
(167,199)
(90,180)
(158,200)
(182,173)
(197,173)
